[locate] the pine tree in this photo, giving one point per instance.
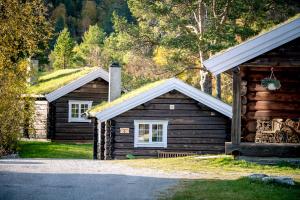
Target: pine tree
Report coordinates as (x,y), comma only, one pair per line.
(88,52)
(63,56)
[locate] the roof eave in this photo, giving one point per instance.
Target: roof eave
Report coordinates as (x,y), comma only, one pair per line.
(253,47)
(98,73)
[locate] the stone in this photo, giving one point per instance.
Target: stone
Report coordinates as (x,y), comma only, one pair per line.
(257,176)
(285,180)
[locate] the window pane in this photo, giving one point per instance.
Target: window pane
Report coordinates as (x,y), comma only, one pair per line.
(143,132)
(83,108)
(157,130)
(75,111)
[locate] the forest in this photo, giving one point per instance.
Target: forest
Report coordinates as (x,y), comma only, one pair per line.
(151,39)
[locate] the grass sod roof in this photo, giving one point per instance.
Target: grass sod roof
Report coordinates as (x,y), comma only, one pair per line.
(124,97)
(262,32)
(50,81)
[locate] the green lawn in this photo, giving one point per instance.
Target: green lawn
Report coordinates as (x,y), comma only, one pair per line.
(240,189)
(223,178)
(225,166)
(28,149)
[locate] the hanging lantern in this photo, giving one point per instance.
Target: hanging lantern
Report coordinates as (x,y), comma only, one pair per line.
(271,83)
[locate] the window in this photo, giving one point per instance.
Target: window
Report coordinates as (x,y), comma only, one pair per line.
(77,110)
(150,133)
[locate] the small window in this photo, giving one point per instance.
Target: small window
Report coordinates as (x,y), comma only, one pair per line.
(77,110)
(150,133)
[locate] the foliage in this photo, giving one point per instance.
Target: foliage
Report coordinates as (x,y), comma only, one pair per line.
(199,28)
(242,189)
(24,28)
(28,149)
(50,81)
(62,56)
(88,52)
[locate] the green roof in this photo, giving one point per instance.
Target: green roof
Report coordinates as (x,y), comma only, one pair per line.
(262,32)
(104,105)
(50,81)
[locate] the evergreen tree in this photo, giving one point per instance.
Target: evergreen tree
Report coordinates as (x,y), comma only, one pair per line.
(89,51)
(63,56)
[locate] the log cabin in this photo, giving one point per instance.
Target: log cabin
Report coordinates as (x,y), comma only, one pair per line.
(162,119)
(63,97)
(266,92)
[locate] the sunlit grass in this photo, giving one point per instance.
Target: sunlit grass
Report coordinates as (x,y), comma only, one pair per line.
(28,149)
(221,166)
(240,189)
(50,81)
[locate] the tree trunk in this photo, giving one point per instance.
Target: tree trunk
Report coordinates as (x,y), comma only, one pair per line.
(218,86)
(205,81)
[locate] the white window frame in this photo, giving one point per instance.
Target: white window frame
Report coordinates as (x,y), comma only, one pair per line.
(164,142)
(79,119)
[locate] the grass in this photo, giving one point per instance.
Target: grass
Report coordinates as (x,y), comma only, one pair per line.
(223,178)
(28,149)
(240,189)
(222,167)
(125,97)
(50,81)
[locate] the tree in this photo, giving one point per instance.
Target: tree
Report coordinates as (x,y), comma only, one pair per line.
(62,56)
(203,27)
(89,51)
(24,28)
(88,14)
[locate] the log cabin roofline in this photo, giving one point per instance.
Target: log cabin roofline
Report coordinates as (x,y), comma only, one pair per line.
(254,47)
(98,73)
(117,107)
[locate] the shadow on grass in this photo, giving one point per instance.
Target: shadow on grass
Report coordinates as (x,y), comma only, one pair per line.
(58,76)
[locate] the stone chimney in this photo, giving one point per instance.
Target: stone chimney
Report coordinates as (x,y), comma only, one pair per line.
(114,81)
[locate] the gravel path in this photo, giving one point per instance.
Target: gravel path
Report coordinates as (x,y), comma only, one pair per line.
(82,179)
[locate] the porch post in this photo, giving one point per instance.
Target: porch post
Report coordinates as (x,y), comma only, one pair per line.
(95,138)
(236,108)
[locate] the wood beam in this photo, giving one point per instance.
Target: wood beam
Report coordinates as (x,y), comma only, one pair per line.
(236,108)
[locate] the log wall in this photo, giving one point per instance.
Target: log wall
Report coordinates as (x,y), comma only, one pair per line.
(258,103)
(192,127)
(96,91)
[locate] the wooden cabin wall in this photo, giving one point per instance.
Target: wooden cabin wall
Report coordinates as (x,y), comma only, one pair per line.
(96,91)
(192,127)
(262,104)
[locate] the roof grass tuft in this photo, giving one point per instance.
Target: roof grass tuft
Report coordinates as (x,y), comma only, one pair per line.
(50,81)
(105,105)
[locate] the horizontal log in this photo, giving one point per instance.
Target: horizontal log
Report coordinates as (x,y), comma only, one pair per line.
(269,114)
(273,105)
(177,120)
(265,149)
(171,140)
(182,127)
(73,137)
(285,88)
(274,96)
(172,101)
(185,106)
(167,113)
(177,147)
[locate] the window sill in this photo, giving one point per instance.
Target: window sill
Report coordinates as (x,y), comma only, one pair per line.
(79,120)
(160,145)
